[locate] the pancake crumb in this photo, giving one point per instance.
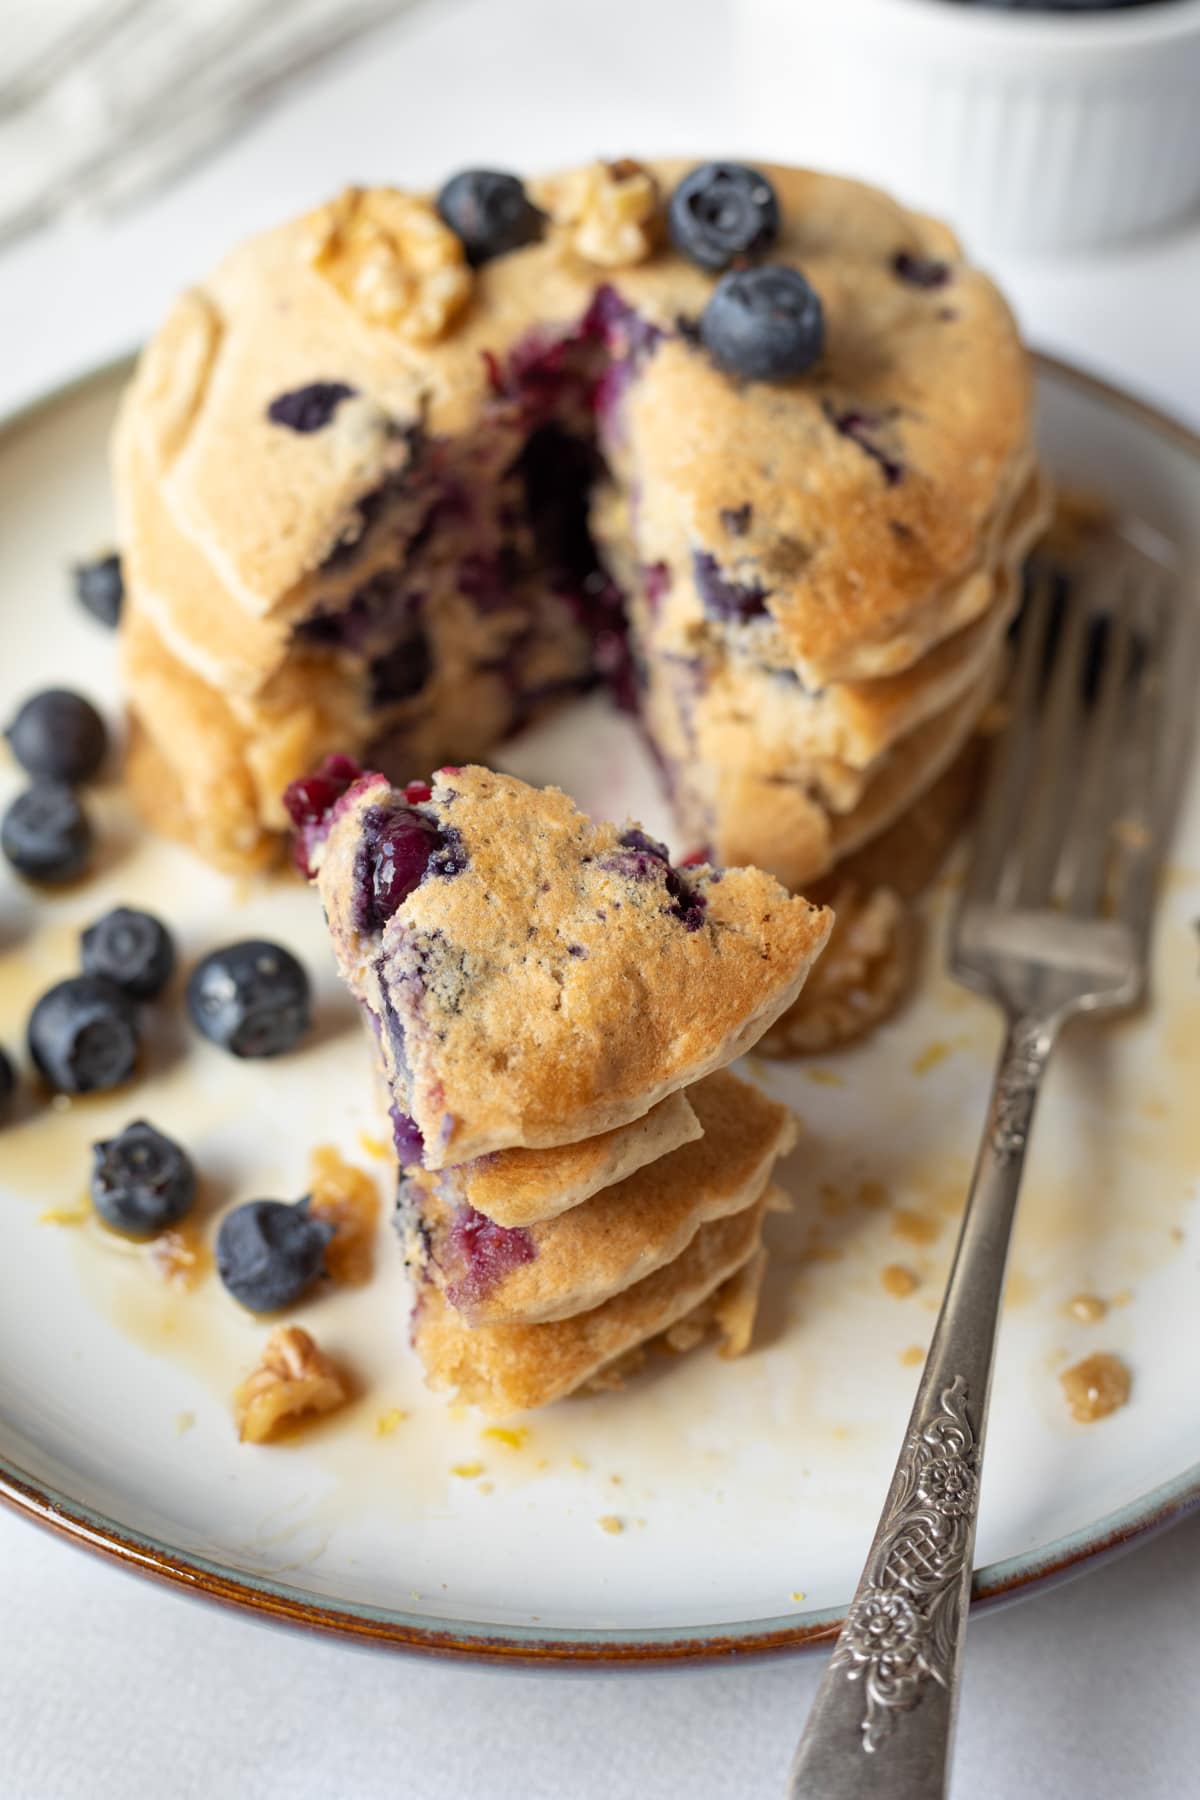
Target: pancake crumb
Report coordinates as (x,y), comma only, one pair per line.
(387,1422)
(898,1281)
(609,1522)
(184,1422)
(347,1199)
(930,1057)
(1087,1308)
(66,1215)
(917,1227)
(467,1471)
(1096,1387)
(910,1357)
(512,1437)
(797,1594)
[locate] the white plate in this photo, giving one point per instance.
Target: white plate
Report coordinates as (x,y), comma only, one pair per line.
(746,1491)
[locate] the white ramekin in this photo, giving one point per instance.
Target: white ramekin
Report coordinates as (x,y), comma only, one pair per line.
(1028,131)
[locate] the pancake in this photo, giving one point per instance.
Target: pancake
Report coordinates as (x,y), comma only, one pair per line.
(621,1235)
(396,576)
(549,978)
(525,1187)
(509,1368)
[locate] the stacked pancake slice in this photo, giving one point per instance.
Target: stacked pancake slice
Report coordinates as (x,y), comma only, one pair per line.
(401,531)
(554,1007)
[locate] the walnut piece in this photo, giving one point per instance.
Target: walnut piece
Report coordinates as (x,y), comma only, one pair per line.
(860,978)
(610,212)
(393,260)
(295,1377)
(348,1199)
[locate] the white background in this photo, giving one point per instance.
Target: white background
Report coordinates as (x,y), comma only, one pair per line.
(111,1690)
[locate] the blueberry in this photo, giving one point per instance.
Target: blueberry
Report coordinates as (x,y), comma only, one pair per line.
(100,587)
(83,1035)
(270,1253)
(764,323)
(397,847)
(8,1085)
(132,948)
(489,212)
(60,734)
(920,271)
(251,998)
(142,1181)
(45,833)
(723,211)
(309,408)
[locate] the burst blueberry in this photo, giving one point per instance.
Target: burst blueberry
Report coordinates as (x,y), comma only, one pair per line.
(307,409)
(251,998)
(83,1035)
(59,734)
(490,213)
(397,847)
(132,948)
(142,1181)
(269,1254)
(45,833)
(723,211)
(765,324)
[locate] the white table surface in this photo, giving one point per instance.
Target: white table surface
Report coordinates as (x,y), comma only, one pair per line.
(114,1690)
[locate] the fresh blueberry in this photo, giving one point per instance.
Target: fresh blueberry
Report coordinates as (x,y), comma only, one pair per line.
(764,323)
(83,1035)
(269,1253)
(45,833)
(8,1085)
(490,213)
(132,948)
(100,587)
(723,211)
(309,408)
(141,1181)
(60,734)
(251,998)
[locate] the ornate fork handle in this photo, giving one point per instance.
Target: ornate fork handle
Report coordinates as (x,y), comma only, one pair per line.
(883,1719)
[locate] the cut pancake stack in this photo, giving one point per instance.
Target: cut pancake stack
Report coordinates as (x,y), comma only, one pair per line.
(402,533)
(554,1006)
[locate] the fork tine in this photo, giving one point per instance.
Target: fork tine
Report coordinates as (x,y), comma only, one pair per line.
(1085,853)
(1159,718)
(1011,756)
(1048,796)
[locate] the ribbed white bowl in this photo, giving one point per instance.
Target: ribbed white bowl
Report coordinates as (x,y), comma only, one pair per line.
(1028,131)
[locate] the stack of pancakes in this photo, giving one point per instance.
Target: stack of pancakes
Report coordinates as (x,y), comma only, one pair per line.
(403,533)
(554,1006)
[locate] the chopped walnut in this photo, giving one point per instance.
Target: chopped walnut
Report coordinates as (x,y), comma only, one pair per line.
(392,259)
(610,211)
(348,1199)
(1095,1387)
(295,1377)
(860,978)
(178,1256)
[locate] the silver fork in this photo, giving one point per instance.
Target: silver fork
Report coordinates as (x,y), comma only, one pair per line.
(1053,921)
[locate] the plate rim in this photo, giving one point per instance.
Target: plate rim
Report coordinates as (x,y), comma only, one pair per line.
(277,1603)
